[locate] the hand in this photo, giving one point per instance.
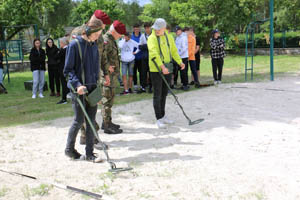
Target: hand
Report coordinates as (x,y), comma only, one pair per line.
(111,69)
(164,69)
(134,53)
(182,66)
(81,90)
(107,80)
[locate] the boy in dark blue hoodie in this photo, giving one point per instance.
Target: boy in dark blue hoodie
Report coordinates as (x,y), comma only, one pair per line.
(74,71)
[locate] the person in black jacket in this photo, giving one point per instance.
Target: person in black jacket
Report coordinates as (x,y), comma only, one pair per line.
(53,72)
(37,64)
(61,64)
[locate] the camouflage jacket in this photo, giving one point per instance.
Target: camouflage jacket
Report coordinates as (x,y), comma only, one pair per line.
(110,56)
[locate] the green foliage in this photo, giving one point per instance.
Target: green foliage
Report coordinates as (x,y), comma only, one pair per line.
(132,12)
(84,10)
(23,12)
(291,39)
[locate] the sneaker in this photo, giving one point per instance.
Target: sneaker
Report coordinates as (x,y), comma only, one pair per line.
(72,153)
(34,96)
(142,90)
(219,82)
(69,96)
(215,82)
(136,87)
(167,121)
(62,102)
(160,124)
(41,95)
(109,129)
(124,92)
(99,146)
(113,125)
(197,85)
(130,91)
(192,83)
(92,158)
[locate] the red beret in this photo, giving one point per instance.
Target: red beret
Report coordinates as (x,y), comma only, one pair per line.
(119,27)
(99,14)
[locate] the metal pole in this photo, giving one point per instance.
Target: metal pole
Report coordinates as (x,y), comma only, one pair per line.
(271,40)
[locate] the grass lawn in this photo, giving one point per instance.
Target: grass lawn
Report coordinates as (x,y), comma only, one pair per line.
(17,107)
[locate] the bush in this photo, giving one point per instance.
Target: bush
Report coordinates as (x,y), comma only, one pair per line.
(292,40)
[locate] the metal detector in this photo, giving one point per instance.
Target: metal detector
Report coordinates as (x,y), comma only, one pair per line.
(113,167)
(175,97)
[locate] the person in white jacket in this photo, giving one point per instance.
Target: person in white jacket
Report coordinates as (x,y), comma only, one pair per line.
(127,46)
(182,46)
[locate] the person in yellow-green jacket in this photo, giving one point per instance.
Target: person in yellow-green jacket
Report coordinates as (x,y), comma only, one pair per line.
(162,49)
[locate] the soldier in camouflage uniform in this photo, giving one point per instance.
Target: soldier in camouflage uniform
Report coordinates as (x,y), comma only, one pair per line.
(110,70)
(77,31)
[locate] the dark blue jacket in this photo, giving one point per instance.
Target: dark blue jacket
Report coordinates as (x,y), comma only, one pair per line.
(73,66)
(138,56)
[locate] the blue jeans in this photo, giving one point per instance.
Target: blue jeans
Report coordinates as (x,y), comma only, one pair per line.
(127,67)
(1,75)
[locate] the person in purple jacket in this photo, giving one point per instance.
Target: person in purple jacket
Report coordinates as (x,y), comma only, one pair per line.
(74,71)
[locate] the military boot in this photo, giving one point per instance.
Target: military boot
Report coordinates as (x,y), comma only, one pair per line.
(116,126)
(108,129)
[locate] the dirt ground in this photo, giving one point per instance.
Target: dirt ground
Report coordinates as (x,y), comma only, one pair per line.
(248,147)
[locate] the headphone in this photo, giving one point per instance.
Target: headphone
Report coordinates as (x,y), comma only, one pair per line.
(89,30)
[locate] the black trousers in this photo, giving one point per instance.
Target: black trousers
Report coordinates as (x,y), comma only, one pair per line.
(217,67)
(145,73)
(137,68)
(54,76)
(77,124)
(194,70)
(160,92)
(65,89)
(183,73)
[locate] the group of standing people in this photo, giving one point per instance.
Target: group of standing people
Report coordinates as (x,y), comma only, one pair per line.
(56,59)
(91,60)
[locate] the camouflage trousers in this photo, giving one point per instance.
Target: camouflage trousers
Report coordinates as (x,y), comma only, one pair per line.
(107,102)
(83,129)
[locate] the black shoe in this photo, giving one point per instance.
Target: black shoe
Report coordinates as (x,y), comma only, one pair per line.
(116,126)
(142,90)
(197,85)
(192,83)
(62,102)
(99,146)
(172,86)
(72,153)
(130,90)
(111,130)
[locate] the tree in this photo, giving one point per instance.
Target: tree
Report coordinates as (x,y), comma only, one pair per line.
(132,12)
(58,17)
(84,10)
(23,12)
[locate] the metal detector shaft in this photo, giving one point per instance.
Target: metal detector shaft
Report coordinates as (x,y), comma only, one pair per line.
(61,186)
(167,84)
(93,128)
